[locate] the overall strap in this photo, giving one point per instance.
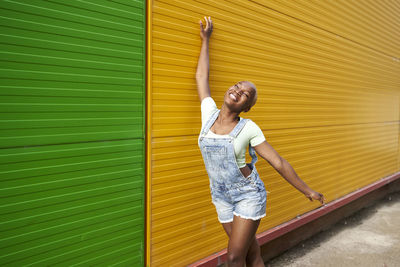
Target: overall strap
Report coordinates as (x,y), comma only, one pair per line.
(234,133)
(253,155)
(209,123)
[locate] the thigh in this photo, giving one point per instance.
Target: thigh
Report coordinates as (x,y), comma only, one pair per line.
(242,235)
(228,228)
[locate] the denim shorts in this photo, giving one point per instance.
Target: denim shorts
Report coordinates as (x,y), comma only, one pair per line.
(246,199)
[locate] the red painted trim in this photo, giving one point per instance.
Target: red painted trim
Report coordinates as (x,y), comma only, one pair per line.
(277,231)
(212,261)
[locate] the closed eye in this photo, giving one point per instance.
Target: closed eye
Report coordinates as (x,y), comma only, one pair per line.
(241,93)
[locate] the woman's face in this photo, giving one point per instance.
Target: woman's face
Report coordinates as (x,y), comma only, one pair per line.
(240,97)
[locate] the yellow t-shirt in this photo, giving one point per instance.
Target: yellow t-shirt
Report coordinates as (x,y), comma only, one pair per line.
(250,133)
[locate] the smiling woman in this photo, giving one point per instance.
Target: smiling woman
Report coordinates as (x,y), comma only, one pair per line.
(237,191)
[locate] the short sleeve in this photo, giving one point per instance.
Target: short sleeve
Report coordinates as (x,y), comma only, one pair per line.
(256,134)
(208,107)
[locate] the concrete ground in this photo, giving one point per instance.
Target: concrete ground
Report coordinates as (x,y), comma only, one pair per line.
(370,237)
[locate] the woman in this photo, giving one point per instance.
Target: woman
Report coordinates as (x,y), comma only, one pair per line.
(236,189)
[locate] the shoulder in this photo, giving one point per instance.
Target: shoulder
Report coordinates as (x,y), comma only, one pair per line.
(252,125)
(208,107)
(253,133)
(208,102)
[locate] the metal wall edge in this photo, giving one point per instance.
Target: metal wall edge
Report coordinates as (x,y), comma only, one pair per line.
(148,95)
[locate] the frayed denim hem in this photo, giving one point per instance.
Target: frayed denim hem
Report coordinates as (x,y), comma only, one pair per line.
(249,218)
(227,221)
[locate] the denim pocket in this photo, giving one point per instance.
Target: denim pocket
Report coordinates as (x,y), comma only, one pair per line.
(216,157)
(246,183)
(215,150)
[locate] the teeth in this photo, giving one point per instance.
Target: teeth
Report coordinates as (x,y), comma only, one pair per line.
(232,96)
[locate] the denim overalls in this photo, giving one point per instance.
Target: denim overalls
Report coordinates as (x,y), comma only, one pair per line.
(231,192)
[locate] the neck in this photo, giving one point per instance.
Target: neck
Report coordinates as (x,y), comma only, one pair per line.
(226,115)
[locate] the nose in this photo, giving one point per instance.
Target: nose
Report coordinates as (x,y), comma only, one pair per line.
(237,91)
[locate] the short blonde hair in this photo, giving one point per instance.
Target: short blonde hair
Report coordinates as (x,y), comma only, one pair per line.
(255,92)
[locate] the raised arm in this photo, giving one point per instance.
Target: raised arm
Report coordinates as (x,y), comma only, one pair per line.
(266,151)
(203,66)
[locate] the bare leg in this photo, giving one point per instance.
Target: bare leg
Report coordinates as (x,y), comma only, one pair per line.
(253,257)
(243,246)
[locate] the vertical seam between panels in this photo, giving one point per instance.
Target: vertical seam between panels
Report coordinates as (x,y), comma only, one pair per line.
(148,96)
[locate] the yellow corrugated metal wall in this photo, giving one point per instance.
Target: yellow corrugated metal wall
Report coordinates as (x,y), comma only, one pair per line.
(328,79)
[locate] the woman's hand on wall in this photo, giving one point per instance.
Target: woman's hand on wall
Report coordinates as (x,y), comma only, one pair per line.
(315,195)
(205,33)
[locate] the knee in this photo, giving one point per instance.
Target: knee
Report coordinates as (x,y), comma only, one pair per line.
(235,258)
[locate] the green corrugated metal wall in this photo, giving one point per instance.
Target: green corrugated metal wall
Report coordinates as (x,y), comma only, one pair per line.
(72,132)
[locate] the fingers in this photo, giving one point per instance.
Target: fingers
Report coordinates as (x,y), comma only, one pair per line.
(207,23)
(317,196)
(321,198)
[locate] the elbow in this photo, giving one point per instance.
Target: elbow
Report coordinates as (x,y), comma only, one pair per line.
(279,164)
(198,76)
(202,74)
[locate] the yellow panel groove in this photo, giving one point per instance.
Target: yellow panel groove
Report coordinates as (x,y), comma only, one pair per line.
(329,94)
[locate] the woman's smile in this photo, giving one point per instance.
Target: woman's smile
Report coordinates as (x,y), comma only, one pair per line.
(233,96)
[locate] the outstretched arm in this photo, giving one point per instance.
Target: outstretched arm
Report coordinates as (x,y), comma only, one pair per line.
(266,151)
(203,66)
